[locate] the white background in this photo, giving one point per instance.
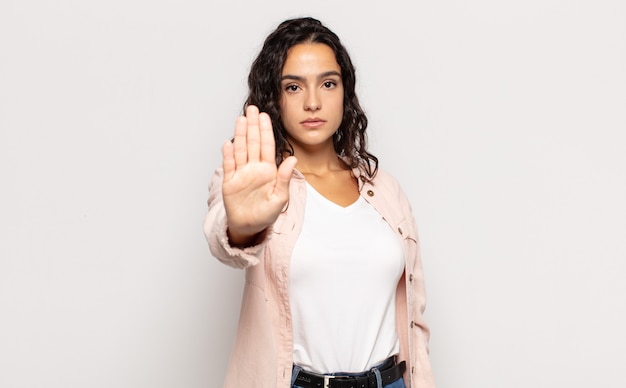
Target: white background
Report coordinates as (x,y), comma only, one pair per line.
(504,121)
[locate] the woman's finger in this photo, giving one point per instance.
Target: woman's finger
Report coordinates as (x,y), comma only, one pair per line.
(253,135)
(283,177)
(268,148)
(228,161)
(240,152)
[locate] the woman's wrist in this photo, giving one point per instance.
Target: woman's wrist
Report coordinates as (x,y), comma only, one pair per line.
(244,240)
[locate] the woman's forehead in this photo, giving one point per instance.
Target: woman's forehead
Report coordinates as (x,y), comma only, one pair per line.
(310,58)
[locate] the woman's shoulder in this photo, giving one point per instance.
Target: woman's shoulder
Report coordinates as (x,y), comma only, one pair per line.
(386,179)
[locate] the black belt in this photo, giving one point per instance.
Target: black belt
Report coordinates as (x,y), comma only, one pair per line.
(313,380)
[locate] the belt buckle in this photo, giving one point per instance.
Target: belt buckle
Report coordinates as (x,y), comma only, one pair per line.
(328,378)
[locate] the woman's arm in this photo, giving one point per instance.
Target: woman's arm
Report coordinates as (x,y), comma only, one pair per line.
(248,193)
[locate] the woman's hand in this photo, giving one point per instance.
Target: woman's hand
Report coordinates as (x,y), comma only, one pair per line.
(255,191)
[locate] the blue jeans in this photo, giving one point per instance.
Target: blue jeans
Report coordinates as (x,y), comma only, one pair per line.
(394,384)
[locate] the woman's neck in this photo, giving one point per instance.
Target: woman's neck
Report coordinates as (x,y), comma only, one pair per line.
(319,162)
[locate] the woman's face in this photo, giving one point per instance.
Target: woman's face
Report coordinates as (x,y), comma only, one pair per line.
(311,101)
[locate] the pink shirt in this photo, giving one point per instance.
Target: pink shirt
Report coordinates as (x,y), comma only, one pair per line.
(262,355)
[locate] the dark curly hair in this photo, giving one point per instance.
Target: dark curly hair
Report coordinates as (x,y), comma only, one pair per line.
(350,140)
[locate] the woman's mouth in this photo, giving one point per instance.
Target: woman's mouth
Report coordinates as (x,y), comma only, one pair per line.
(313,122)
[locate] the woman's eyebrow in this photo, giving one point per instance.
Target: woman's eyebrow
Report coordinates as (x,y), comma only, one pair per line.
(292,77)
(302,79)
(329,73)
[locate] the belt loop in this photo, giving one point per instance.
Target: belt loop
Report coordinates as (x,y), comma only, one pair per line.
(294,374)
(379,379)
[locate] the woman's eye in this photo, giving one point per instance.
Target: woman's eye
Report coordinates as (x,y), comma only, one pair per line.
(291,88)
(329,84)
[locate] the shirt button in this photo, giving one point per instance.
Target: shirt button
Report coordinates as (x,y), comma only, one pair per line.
(412,369)
(399,230)
(412,324)
(411,277)
(370,193)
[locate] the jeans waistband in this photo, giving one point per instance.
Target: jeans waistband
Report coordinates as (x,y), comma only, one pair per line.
(380,375)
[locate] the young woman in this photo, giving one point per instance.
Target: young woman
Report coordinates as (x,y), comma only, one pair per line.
(334,292)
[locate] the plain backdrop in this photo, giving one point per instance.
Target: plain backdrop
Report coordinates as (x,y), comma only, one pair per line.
(504,122)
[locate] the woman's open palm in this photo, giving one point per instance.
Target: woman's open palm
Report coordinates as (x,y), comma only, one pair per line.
(255,191)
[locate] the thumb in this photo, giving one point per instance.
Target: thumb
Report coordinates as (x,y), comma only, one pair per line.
(283,175)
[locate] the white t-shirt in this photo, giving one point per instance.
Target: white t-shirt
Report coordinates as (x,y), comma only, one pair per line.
(345,268)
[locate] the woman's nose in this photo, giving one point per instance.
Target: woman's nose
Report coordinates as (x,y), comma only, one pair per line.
(312,102)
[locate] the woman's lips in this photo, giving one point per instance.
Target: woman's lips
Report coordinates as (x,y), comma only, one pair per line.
(313,123)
